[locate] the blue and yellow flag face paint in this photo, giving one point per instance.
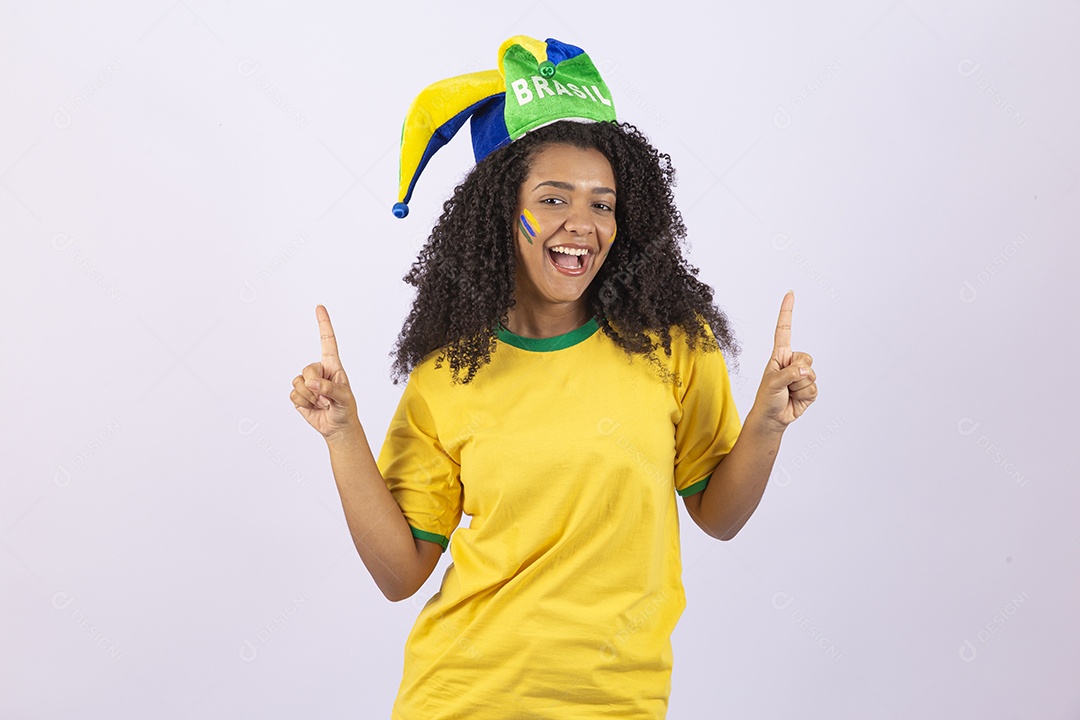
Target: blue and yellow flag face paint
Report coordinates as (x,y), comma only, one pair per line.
(529,225)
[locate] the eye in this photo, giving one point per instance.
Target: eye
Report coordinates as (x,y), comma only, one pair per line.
(603,206)
(551,201)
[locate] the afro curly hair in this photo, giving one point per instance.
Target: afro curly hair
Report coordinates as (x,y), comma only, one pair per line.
(464,274)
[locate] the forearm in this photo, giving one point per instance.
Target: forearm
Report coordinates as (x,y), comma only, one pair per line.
(377,525)
(737,484)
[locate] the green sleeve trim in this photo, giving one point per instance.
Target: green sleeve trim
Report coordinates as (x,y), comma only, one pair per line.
(430,537)
(696,487)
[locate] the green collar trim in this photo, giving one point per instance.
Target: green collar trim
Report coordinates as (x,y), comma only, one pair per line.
(559,342)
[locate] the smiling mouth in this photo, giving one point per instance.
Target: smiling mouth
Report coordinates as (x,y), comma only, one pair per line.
(569,262)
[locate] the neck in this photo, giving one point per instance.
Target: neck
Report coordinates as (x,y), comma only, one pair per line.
(546,321)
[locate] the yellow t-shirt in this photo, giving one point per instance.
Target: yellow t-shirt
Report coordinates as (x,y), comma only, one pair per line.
(565,586)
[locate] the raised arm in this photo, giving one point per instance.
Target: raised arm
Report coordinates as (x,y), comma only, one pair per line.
(787,388)
(398,562)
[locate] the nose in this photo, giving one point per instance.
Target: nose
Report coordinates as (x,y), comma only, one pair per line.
(578,220)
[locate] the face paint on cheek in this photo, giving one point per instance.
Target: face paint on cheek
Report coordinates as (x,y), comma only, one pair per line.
(613,234)
(529,225)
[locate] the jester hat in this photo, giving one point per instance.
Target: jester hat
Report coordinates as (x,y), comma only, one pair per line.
(537,83)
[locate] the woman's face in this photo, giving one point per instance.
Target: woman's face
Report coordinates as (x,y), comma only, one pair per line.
(565,224)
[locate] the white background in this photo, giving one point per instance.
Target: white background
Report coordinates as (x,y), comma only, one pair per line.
(181,184)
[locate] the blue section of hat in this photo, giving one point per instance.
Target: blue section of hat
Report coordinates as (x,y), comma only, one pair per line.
(488,125)
(440,137)
(559,51)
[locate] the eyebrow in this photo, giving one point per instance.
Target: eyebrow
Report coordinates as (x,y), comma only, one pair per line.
(569,187)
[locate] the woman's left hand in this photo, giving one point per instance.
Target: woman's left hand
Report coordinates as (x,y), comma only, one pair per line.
(789,384)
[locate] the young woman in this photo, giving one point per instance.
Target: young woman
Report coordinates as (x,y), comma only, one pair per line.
(566,380)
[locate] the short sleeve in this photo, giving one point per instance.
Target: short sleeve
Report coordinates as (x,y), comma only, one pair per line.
(708,425)
(424,480)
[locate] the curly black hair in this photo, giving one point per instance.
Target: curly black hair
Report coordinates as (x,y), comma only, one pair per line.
(464,275)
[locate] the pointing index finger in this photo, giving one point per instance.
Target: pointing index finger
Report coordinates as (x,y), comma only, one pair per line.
(330,359)
(782,339)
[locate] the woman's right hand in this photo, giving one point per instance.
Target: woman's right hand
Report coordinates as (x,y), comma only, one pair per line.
(321,392)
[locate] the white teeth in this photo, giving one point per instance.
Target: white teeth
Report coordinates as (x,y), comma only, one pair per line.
(570,251)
